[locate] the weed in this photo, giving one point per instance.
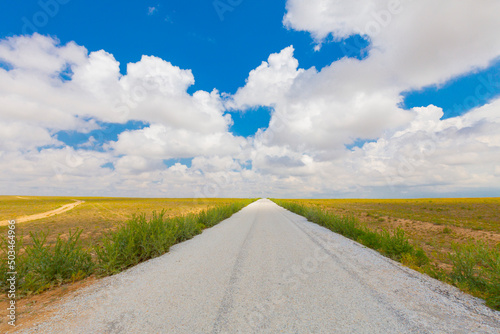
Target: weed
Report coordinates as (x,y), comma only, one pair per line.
(395,244)
(416,261)
(447,230)
(476,267)
(40,265)
(392,244)
(138,240)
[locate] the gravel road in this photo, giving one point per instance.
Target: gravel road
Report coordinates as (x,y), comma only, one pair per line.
(267,270)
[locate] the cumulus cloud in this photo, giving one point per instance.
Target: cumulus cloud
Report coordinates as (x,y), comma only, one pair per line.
(456,153)
(66,88)
(413,44)
(269,83)
(161,142)
(32,137)
(153,90)
(47,87)
(420,42)
(40,54)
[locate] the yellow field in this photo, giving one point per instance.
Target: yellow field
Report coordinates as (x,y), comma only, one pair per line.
(96,216)
(474,213)
(433,224)
(12,207)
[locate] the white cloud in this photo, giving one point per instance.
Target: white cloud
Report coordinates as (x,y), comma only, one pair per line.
(457,152)
(17,136)
(316,113)
(40,54)
(163,142)
(269,83)
(421,42)
(99,75)
(37,103)
(323,111)
(152,10)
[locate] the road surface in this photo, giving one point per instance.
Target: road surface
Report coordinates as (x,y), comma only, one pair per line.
(267,270)
(46,214)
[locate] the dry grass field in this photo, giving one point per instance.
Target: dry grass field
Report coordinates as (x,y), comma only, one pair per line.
(456,240)
(50,269)
(12,207)
(435,225)
(95,216)
(471,213)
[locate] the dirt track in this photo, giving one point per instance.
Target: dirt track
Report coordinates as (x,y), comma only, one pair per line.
(46,214)
(267,270)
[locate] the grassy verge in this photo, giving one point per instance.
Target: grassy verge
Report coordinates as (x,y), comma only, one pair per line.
(41,265)
(96,217)
(393,244)
(478,214)
(474,266)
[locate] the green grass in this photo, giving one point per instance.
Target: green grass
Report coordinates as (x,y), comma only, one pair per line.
(393,244)
(142,239)
(41,265)
(474,213)
(474,266)
(98,215)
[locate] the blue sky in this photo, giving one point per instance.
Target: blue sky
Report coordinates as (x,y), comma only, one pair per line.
(338,109)
(189,34)
(207,36)
(459,95)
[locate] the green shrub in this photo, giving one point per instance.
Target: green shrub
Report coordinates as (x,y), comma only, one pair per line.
(421,258)
(476,267)
(136,241)
(447,230)
(418,260)
(185,228)
(140,240)
(370,239)
(41,266)
(466,271)
(393,245)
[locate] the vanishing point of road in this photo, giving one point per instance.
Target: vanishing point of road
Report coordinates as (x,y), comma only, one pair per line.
(267,270)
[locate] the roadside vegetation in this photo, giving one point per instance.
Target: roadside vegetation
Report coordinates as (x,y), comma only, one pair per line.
(96,217)
(467,259)
(41,264)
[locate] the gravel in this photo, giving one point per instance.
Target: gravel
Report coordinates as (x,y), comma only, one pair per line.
(267,270)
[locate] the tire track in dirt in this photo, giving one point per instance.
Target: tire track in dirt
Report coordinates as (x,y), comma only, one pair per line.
(46,214)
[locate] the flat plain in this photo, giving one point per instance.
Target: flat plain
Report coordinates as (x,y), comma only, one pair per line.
(267,270)
(436,225)
(96,216)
